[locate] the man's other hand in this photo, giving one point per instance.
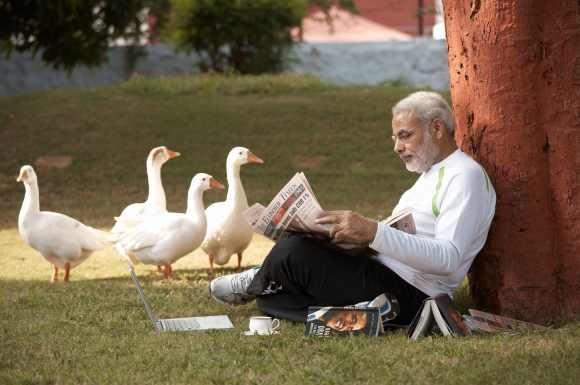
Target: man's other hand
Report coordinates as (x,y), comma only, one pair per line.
(349,226)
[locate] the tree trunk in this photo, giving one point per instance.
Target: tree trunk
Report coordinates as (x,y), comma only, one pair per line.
(515,87)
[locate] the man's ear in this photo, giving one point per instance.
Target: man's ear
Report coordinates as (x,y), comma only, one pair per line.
(438,128)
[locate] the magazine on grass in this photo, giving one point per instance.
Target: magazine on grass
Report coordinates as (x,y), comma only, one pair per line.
(342,321)
(295,209)
(480,321)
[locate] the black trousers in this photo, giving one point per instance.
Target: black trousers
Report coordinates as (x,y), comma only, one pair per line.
(311,274)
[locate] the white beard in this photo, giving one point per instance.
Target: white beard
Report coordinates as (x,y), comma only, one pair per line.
(424,158)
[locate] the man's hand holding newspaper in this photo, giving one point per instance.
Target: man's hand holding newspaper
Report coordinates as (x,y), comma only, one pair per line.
(295,209)
(349,227)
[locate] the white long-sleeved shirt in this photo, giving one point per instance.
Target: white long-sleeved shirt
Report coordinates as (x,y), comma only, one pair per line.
(453,204)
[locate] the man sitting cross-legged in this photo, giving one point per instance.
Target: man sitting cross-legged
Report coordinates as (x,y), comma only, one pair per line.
(452,203)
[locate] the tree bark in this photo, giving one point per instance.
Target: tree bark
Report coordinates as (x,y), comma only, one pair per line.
(515,87)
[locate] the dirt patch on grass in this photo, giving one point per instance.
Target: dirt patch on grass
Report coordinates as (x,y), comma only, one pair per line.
(53,161)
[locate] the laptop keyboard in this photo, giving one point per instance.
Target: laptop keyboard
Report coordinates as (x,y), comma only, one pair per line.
(176,324)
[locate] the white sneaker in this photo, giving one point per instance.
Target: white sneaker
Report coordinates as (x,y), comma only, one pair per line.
(233,289)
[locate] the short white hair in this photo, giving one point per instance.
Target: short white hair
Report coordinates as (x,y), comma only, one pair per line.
(427,106)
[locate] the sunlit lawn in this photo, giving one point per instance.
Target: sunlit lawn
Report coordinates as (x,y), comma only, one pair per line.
(94,330)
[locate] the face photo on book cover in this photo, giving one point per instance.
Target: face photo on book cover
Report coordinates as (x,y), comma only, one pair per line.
(344,320)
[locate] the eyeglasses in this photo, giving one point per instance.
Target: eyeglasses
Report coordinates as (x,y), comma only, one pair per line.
(404,135)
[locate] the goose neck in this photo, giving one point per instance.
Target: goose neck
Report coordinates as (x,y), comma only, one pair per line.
(156,194)
(236,192)
(31,203)
(195,208)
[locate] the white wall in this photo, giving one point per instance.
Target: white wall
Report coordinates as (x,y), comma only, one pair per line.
(419,62)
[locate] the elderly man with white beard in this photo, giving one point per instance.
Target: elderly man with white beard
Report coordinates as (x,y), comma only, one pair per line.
(452,203)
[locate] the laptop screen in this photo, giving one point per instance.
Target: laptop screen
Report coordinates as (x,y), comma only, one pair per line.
(143,298)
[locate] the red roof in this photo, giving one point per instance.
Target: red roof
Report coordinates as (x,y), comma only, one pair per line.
(398,14)
(377,20)
(345,27)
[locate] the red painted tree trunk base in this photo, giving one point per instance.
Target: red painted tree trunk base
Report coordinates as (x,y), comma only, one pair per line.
(515,86)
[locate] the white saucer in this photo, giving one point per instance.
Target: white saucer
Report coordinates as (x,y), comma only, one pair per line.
(254,333)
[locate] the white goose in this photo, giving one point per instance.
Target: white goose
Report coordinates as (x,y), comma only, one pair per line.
(164,238)
(61,240)
(227,231)
(155,203)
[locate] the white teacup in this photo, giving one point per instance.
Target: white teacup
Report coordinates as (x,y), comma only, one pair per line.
(263,325)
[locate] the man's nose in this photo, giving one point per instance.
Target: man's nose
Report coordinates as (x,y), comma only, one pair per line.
(399,147)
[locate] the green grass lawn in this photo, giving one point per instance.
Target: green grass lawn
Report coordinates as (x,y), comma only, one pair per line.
(95,331)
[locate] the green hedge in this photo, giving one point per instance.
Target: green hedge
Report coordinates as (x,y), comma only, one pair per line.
(242,36)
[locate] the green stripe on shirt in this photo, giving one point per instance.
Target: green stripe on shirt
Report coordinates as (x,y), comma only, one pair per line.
(437,188)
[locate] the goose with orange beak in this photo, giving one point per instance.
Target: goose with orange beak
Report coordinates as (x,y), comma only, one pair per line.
(60,239)
(227,231)
(156,202)
(164,238)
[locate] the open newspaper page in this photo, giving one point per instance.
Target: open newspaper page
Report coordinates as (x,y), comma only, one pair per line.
(492,323)
(295,203)
(295,209)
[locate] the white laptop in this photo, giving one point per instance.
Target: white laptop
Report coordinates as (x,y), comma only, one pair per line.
(180,324)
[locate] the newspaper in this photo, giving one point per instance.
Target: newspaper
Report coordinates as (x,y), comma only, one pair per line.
(295,209)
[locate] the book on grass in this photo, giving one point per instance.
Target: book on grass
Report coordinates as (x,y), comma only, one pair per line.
(438,314)
(342,321)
